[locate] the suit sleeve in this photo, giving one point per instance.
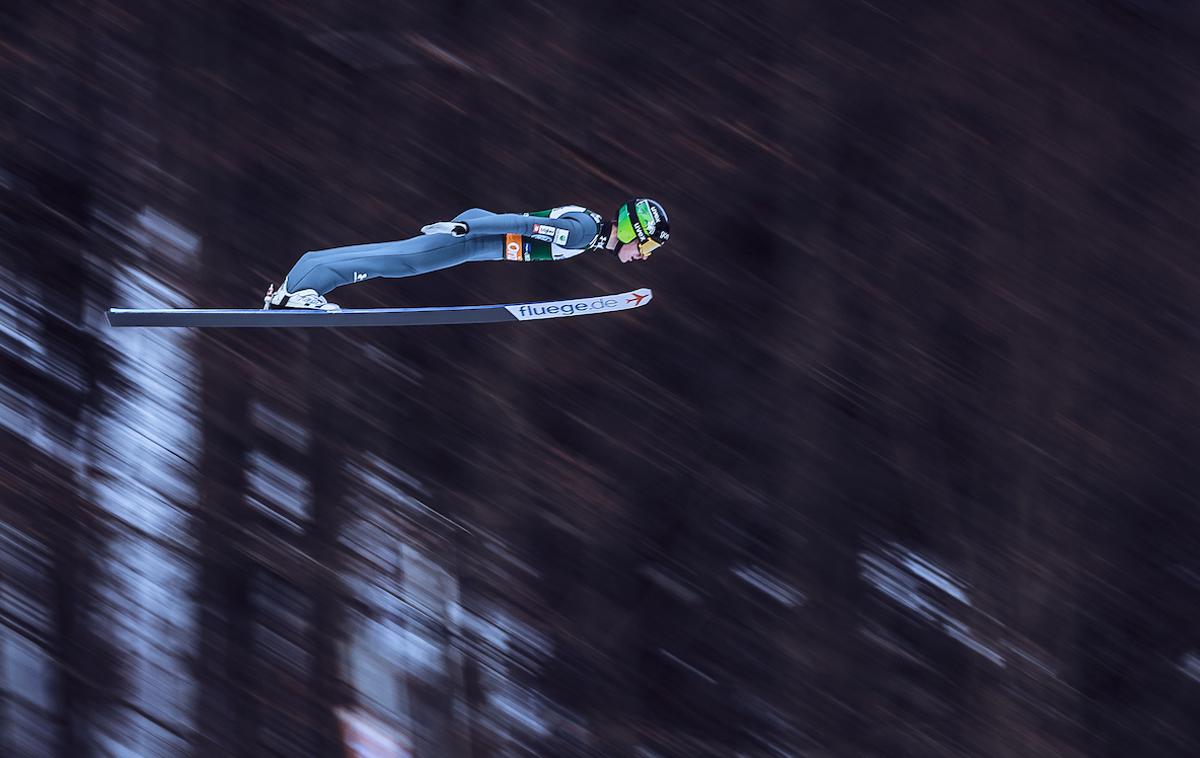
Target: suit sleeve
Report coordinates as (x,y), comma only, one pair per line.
(549,229)
(472,213)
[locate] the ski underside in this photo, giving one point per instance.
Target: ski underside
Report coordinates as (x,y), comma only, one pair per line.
(463,314)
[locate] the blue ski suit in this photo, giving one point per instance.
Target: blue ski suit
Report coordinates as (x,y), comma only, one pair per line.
(555,234)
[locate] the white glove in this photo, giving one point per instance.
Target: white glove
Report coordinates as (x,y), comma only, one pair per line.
(454,228)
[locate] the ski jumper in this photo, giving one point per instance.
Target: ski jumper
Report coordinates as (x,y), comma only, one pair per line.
(555,234)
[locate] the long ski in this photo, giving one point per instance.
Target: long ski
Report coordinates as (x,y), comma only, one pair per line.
(463,314)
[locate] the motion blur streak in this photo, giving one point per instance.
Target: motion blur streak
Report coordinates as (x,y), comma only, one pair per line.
(901,460)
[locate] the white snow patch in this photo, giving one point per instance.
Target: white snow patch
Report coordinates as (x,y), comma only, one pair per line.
(381,653)
(21,337)
(145,446)
(24,579)
(426,584)
(778,591)
(508,637)
(278,491)
(921,586)
(18,413)
(278,426)
(26,671)
(386,482)
(18,330)
(405,593)
(1189,664)
(520,708)
(148,439)
(935,576)
(903,576)
(158,234)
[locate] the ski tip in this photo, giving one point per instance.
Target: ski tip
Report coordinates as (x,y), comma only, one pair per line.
(581,306)
(642,295)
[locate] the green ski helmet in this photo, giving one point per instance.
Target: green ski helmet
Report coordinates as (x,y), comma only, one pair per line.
(645,221)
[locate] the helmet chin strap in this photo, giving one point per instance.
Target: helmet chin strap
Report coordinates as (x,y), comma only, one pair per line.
(607,229)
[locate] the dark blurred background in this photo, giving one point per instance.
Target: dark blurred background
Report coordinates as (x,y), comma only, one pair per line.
(901,461)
